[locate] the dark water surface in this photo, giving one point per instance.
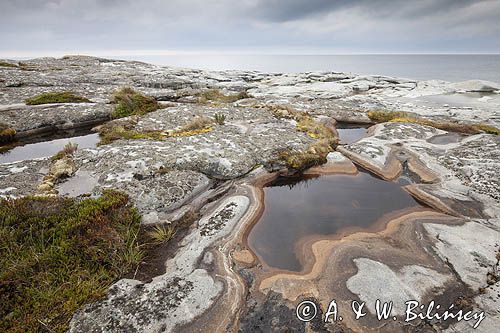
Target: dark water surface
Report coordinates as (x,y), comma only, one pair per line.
(47,148)
(320,206)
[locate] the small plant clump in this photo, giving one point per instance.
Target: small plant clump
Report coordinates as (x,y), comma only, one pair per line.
(56,97)
(215,95)
(197,123)
(8,64)
(317,151)
(220,118)
(58,254)
(301,160)
(7,133)
(68,150)
(162,234)
(112,133)
(129,102)
(403,117)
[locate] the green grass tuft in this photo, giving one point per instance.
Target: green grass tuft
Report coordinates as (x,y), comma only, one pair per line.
(58,253)
(130,102)
(220,118)
(161,234)
(56,97)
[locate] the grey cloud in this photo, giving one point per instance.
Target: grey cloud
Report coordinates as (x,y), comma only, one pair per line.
(286,10)
(251,25)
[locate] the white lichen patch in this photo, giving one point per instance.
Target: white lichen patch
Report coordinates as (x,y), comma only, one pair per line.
(375,280)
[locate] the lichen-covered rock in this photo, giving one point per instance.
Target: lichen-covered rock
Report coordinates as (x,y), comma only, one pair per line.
(174,298)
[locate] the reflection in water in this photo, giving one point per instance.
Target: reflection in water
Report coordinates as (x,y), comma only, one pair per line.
(350,133)
(47,148)
(320,206)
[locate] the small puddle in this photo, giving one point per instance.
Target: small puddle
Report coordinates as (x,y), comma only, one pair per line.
(322,206)
(47,148)
(350,133)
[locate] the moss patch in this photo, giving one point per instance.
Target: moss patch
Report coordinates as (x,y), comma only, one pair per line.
(403,117)
(56,97)
(118,132)
(7,133)
(58,254)
(385,116)
(316,153)
(300,160)
(215,95)
(125,129)
(130,102)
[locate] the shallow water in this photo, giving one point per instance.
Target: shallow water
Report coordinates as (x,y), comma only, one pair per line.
(350,133)
(47,148)
(320,206)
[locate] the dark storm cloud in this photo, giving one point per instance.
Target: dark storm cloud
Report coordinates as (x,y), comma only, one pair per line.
(305,26)
(286,10)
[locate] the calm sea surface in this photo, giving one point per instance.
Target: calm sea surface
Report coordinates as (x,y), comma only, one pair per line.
(420,67)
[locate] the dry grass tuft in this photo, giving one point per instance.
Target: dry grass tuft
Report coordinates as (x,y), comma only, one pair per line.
(403,117)
(215,95)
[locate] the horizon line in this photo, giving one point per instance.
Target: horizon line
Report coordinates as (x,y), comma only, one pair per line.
(138,53)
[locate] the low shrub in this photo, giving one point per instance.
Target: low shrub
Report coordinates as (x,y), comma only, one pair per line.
(58,254)
(7,133)
(130,102)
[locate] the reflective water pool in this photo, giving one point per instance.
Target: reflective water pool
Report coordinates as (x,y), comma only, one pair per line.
(326,205)
(47,148)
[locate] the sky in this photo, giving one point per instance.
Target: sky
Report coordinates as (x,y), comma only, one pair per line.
(128,27)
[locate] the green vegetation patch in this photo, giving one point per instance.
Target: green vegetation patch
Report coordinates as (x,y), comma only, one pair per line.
(6,133)
(130,102)
(8,64)
(220,118)
(125,129)
(403,117)
(301,160)
(113,132)
(57,254)
(56,97)
(215,95)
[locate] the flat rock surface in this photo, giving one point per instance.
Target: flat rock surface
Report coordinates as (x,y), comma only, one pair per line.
(445,253)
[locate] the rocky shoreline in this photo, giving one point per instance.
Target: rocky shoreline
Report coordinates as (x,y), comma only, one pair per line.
(213,282)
